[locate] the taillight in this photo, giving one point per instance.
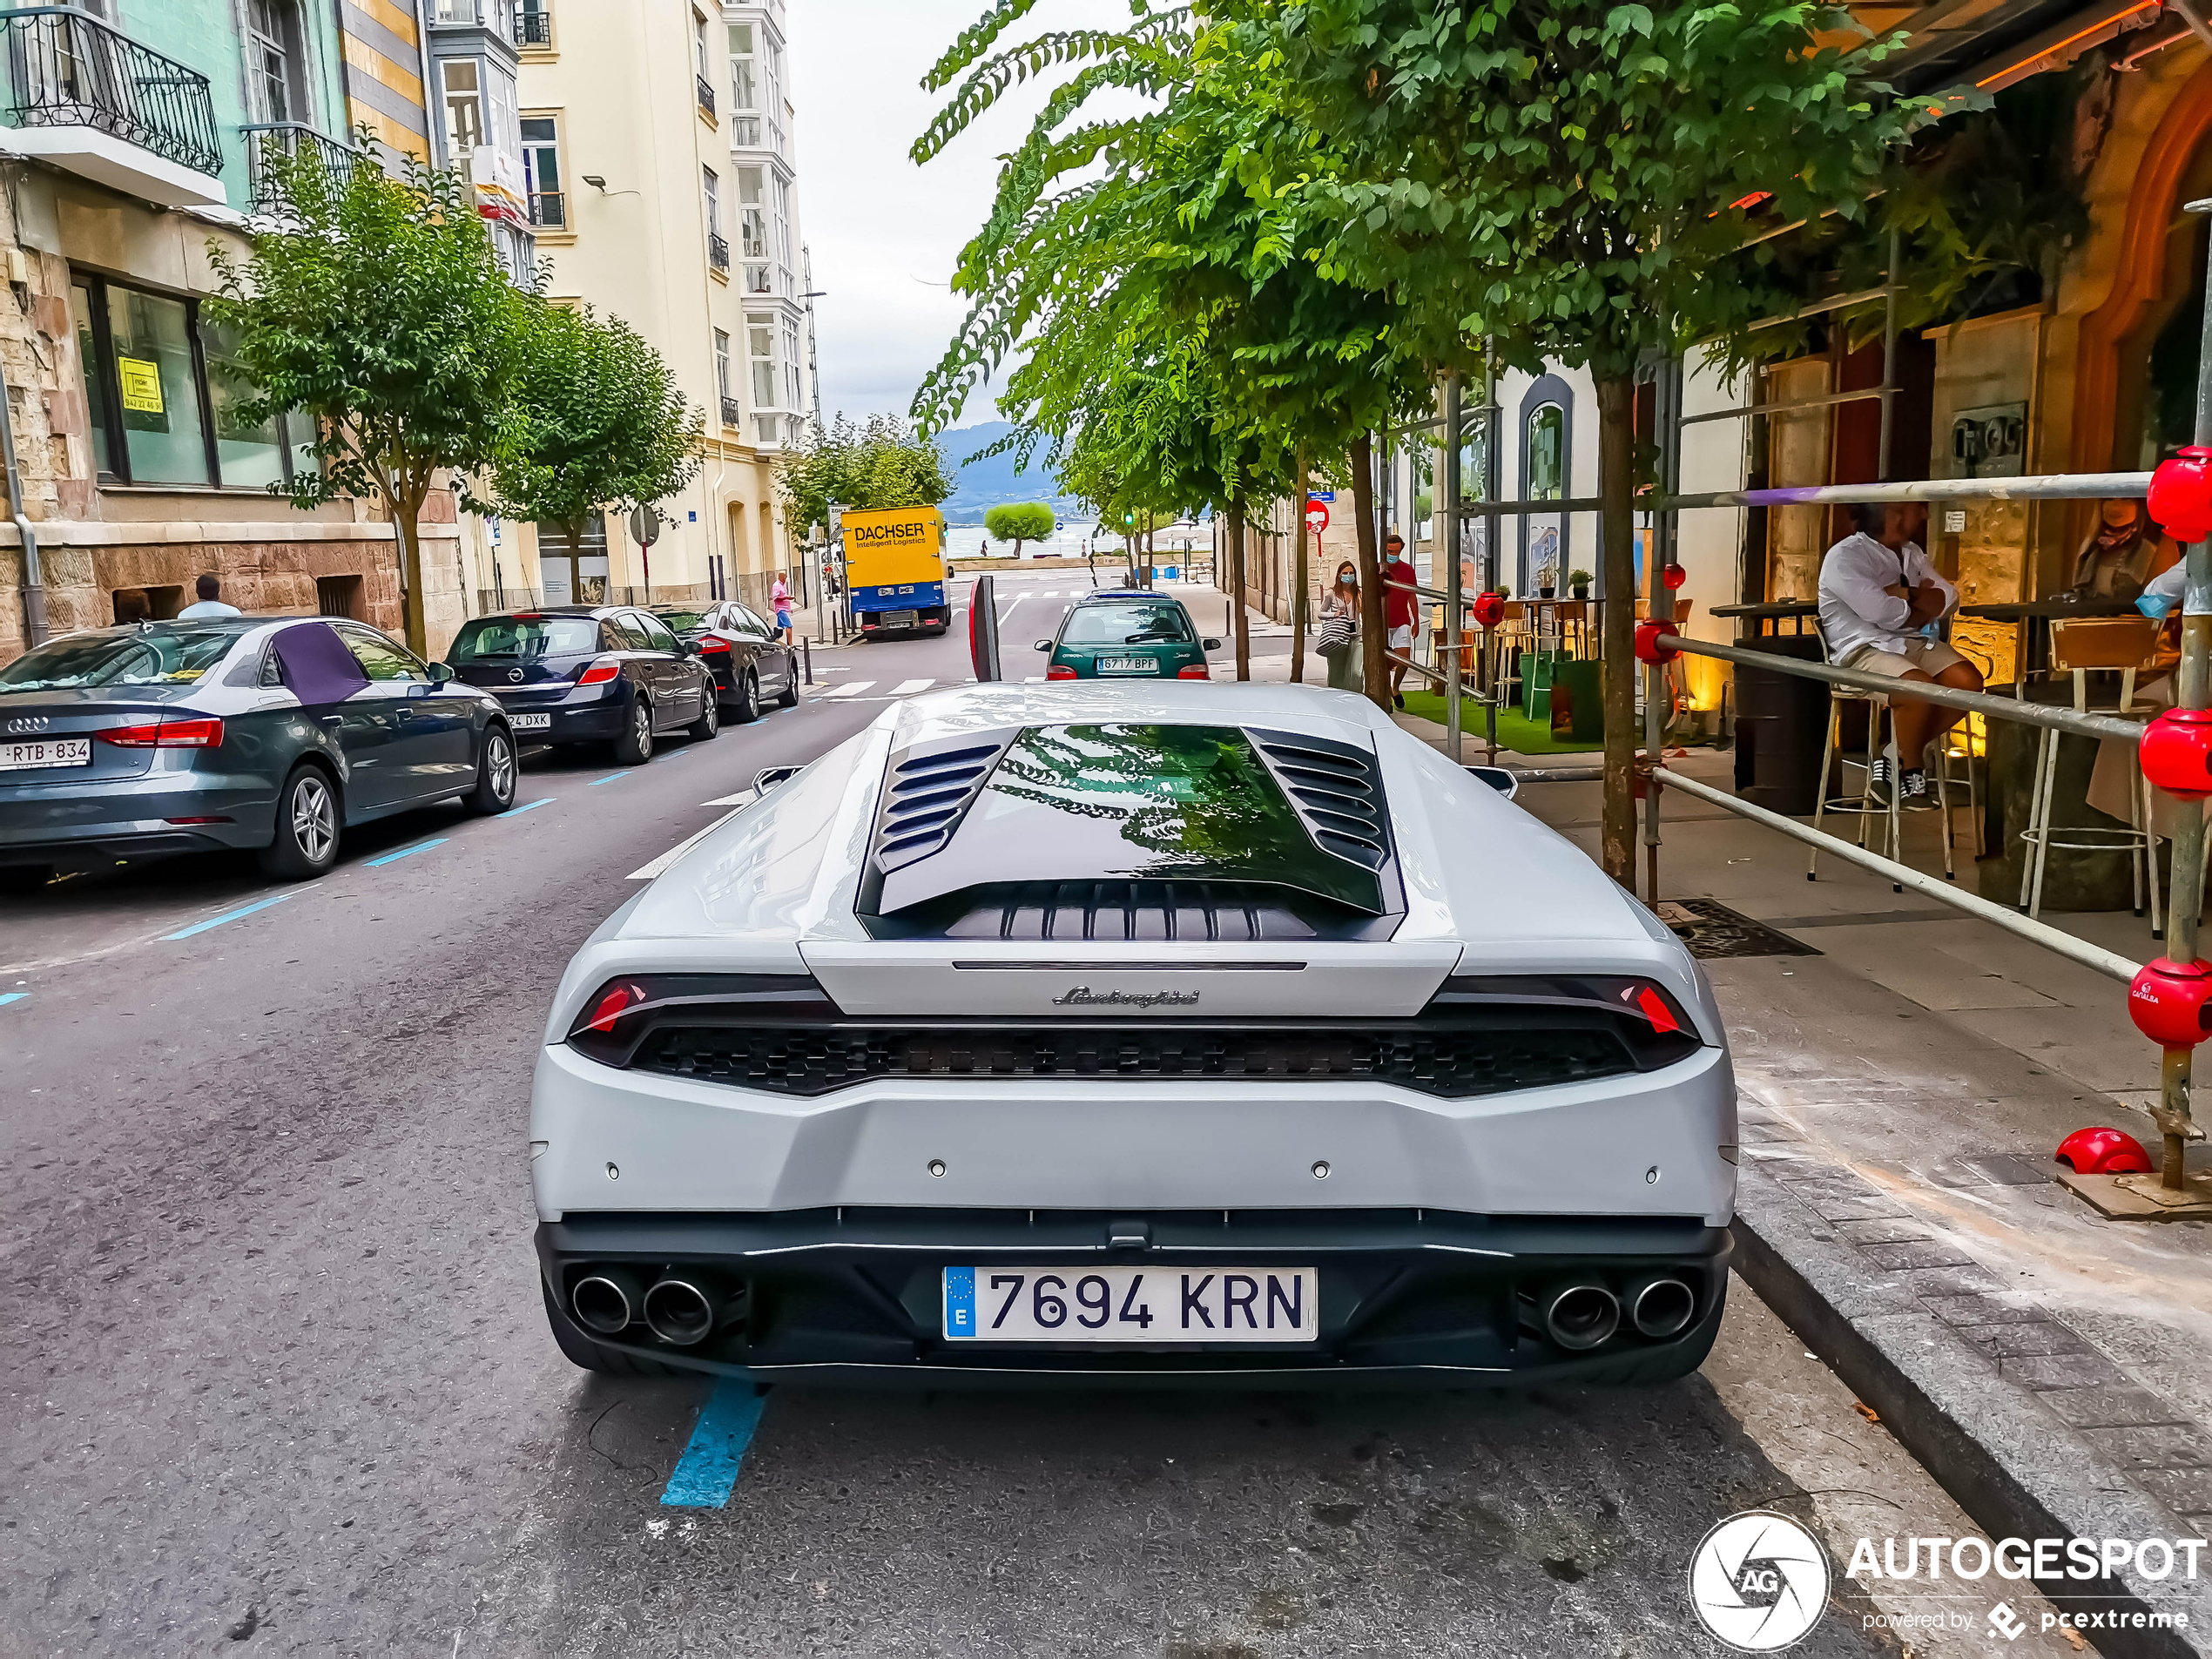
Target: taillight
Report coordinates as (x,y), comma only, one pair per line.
(165,734)
(599,673)
(611,1006)
(1655,1008)
(1193,671)
(1059,672)
(711,644)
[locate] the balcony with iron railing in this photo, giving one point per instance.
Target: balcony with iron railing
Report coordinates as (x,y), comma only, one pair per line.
(706,95)
(718,252)
(534,28)
(90,99)
(266,141)
(732,411)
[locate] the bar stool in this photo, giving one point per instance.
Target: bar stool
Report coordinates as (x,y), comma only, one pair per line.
(2081,645)
(1858,806)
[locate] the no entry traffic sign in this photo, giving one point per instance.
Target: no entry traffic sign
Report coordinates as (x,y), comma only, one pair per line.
(1316,516)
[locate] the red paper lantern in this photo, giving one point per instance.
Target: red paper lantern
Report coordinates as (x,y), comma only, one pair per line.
(2176,753)
(1651,635)
(1489,609)
(2167,1001)
(1672,574)
(2181,494)
(2103,1151)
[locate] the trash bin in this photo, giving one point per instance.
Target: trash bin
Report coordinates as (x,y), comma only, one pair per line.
(1781,723)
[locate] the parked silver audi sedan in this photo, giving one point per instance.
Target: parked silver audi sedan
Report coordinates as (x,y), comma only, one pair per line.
(1144,1030)
(272,734)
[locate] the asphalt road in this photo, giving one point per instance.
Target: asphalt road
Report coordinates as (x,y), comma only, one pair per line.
(273,1370)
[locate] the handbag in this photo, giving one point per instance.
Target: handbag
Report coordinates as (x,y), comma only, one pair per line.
(1335,637)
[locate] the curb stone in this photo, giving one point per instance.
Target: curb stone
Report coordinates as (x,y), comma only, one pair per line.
(2026,1430)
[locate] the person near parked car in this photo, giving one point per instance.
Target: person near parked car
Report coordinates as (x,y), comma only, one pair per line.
(780,599)
(1400,607)
(1340,630)
(211,601)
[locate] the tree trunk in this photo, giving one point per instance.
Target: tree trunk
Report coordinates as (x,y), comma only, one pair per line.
(1237,621)
(1374,665)
(407,512)
(1301,579)
(1616,403)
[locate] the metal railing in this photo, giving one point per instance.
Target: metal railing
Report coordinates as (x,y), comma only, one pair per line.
(732,411)
(718,252)
(549,209)
(266,141)
(66,68)
(533,27)
(706,93)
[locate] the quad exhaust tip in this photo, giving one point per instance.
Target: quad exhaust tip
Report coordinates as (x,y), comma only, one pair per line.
(1661,1307)
(1576,1313)
(680,1312)
(605,1302)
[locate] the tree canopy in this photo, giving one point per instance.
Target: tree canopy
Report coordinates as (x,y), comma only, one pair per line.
(1019,522)
(881,462)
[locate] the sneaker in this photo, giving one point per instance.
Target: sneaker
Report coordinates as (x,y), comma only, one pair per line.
(1398,700)
(1878,781)
(1912,794)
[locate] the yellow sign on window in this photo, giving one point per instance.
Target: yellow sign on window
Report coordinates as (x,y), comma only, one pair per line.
(141,384)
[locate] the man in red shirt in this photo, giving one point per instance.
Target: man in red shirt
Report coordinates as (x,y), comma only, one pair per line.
(1400,608)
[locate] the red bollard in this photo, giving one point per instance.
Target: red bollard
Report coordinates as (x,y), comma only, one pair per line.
(2167,1001)
(1651,636)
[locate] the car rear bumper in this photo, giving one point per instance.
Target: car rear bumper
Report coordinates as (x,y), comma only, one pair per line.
(128,818)
(599,721)
(1406,1298)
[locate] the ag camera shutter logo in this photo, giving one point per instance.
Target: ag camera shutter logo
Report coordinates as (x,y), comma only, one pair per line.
(1759,1582)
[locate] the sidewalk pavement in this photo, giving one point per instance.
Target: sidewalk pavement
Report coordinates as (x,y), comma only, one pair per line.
(1905,1073)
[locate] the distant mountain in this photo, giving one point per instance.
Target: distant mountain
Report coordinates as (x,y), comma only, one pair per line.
(993,481)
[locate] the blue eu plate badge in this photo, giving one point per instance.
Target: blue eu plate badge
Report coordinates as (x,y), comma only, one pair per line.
(959,1301)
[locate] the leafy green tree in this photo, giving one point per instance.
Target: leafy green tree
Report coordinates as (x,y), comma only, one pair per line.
(377,306)
(1579,181)
(881,463)
(606,429)
(1019,522)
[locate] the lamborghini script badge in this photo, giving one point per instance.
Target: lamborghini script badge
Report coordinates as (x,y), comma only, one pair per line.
(1084,996)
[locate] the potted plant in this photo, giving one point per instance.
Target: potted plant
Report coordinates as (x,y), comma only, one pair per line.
(1546,579)
(1580,581)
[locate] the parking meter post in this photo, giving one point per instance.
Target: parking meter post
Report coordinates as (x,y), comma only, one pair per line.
(2194,689)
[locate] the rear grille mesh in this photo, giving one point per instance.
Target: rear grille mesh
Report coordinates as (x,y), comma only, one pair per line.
(1453,1064)
(1091,910)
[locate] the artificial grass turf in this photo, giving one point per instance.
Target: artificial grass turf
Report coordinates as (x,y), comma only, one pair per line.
(1515,730)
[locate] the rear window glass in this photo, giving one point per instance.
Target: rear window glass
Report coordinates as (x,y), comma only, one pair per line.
(1137,623)
(157,656)
(524,639)
(683,621)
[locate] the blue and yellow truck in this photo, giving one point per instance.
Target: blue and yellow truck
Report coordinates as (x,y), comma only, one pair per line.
(895,569)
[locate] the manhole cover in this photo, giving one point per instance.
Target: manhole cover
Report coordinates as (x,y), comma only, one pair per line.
(1710,928)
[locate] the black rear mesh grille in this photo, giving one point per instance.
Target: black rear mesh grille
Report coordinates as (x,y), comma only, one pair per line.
(1452,1064)
(1185,910)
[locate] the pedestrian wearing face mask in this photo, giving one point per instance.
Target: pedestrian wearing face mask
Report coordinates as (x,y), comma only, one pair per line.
(1338,642)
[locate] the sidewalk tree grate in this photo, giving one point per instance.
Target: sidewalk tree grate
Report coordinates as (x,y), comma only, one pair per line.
(1710,928)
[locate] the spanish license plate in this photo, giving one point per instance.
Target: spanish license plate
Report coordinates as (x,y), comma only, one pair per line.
(898,618)
(1136,1304)
(531,722)
(45,752)
(1125,665)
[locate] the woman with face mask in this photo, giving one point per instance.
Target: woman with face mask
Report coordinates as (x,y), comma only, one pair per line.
(1338,642)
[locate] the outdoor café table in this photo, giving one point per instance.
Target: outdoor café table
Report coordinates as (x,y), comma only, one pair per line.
(1767,618)
(2032,622)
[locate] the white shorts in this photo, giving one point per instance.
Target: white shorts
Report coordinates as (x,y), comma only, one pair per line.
(1930,657)
(1401,639)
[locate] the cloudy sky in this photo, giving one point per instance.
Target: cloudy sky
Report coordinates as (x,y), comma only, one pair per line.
(885,234)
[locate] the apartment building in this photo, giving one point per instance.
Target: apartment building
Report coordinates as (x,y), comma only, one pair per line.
(131,137)
(657,161)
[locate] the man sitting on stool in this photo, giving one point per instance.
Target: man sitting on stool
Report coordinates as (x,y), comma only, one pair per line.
(1880,599)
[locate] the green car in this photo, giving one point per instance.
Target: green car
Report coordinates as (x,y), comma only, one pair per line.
(1127,634)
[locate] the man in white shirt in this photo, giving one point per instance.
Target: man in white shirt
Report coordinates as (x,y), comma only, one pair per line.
(1879,600)
(211,603)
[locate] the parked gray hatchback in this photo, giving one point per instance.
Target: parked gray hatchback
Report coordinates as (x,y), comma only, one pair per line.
(272,734)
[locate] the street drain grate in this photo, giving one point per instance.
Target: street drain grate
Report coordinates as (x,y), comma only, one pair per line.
(1710,928)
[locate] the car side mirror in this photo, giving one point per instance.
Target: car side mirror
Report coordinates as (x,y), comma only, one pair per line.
(1044,645)
(440,673)
(1501,779)
(770,778)
(1209,645)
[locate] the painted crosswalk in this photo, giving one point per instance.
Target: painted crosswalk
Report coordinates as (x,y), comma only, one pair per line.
(907,688)
(851,688)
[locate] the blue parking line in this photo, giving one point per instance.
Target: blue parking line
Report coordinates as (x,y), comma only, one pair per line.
(7,997)
(708,1470)
(228,915)
(532,806)
(420,847)
(611,777)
